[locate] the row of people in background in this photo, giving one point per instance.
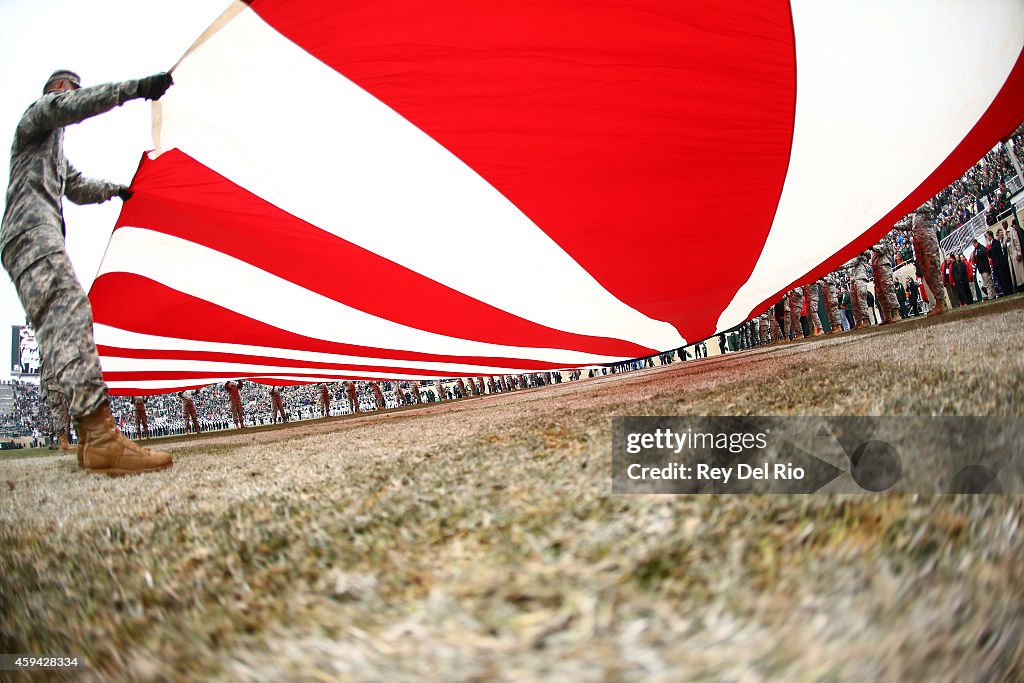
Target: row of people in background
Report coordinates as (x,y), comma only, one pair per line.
(239,404)
(995,268)
(1000,261)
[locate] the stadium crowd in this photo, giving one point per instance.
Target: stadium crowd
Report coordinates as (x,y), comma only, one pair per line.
(981,189)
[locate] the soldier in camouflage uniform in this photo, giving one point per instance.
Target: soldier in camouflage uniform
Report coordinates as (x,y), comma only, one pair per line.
(60,418)
(141,418)
(796,302)
(353,397)
(777,333)
(926,253)
(325,400)
(32,251)
(831,292)
(378,395)
(234,389)
(881,268)
(813,300)
(277,405)
(188,410)
(859,291)
(786,331)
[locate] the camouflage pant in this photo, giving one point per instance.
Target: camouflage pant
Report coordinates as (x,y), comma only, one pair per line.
(813,300)
(59,311)
(55,401)
(796,302)
(786,305)
(832,306)
(859,301)
(884,293)
(926,251)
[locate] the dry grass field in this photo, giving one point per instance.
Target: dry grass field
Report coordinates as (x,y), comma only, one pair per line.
(478,540)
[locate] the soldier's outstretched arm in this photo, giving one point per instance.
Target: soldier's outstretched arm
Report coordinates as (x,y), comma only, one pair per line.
(82,190)
(59,109)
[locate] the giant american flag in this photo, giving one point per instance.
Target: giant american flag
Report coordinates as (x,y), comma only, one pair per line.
(381,189)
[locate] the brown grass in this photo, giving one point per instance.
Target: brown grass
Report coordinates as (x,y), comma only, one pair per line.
(478,540)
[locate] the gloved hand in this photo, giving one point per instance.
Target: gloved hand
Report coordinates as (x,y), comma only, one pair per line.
(124,193)
(154,87)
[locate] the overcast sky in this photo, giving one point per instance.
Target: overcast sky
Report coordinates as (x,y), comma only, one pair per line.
(103,41)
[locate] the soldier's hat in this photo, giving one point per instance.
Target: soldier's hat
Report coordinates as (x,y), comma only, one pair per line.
(63,75)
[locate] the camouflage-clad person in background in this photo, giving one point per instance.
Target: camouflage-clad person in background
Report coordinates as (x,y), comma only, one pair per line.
(32,251)
(60,418)
(926,252)
(796,302)
(763,327)
(277,405)
(813,300)
(786,330)
(188,410)
(881,270)
(378,395)
(831,291)
(353,396)
(325,399)
(777,333)
(859,291)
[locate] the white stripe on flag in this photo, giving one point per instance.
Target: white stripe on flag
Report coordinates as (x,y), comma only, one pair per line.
(885,92)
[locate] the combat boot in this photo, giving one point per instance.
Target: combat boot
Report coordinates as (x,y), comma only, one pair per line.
(64,443)
(105,450)
(81,449)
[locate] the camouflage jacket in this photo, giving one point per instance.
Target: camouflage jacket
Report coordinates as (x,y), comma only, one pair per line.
(860,269)
(33,223)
